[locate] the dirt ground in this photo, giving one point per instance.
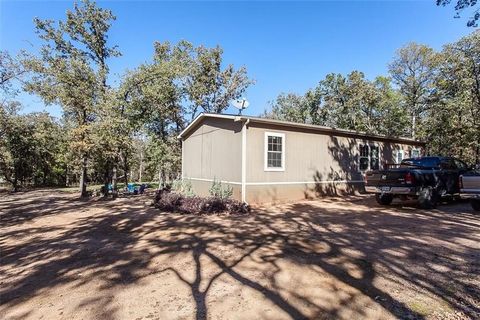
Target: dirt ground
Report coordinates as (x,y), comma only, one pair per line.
(62,258)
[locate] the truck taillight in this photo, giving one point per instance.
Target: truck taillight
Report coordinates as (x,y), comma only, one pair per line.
(409,178)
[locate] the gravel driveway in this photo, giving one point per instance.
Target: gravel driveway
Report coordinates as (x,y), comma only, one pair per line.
(62,258)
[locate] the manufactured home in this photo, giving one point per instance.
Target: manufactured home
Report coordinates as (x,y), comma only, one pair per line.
(266,160)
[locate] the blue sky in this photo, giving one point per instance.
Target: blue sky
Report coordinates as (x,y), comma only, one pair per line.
(286,46)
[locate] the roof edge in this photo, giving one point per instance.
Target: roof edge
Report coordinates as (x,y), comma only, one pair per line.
(294,125)
(204,115)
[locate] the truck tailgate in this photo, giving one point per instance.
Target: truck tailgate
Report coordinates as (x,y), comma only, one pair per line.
(386,178)
(471,183)
(389,181)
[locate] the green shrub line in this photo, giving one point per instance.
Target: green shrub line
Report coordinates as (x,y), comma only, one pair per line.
(183,186)
(217,190)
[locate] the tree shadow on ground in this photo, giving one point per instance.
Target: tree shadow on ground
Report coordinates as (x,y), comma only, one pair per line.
(341,259)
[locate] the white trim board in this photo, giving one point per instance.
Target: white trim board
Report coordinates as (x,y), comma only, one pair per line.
(302,182)
(211,180)
(183,158)
(278,183)
(244,161)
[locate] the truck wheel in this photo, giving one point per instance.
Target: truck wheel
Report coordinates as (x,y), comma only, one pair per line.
(427,198)
(475,204)
(384,199)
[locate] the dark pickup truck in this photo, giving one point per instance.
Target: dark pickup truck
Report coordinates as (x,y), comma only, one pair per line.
(425,179)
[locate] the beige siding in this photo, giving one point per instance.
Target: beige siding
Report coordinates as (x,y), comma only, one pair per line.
(315,164)
(201,188)
(275,193)
(213,151)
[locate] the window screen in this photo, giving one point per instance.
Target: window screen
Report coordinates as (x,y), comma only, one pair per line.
(415,153)
(399,156)
(374,158)
(364,152)
(369,157)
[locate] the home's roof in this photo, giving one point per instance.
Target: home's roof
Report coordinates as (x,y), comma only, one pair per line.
(323,129)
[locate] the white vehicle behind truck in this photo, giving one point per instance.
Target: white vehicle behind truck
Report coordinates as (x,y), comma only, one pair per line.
(470,188)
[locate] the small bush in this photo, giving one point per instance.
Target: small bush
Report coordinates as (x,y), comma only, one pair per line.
(176,202)
(183,187)
(217,190)
(170,201)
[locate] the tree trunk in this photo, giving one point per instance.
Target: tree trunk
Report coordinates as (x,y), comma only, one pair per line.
(106,180)
(125,178)
(114,179)
(83,178)
(414,119)
(140,167)
(159,178)
(125,168)
(35,180)
(15,184)
(66,176)
(83,174)
(477,155)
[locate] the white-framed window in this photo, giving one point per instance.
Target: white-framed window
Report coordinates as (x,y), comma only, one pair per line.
(364,157)
(374,157)
(399,156)
(415,153)
(274,151)
(369,157)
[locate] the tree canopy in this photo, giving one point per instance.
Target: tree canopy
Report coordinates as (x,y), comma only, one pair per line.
(428,95)
(461,6)
(106,132)
(126,130)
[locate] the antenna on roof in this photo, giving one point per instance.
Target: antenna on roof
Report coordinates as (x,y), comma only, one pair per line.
(240,104)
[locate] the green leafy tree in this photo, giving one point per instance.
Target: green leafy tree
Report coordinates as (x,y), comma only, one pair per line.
(361,108)
(29,148)
(71,71)
(289,107)
(11,71)
(332,89)
(153,95)
(350,102)
(453,124)
(462,5)
(163,94)
(162,158)
(393,119)
(305,108)
(211,87)
(16,147)
(49,139)
(413,71)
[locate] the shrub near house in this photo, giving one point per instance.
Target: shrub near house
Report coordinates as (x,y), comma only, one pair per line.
(182,200)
